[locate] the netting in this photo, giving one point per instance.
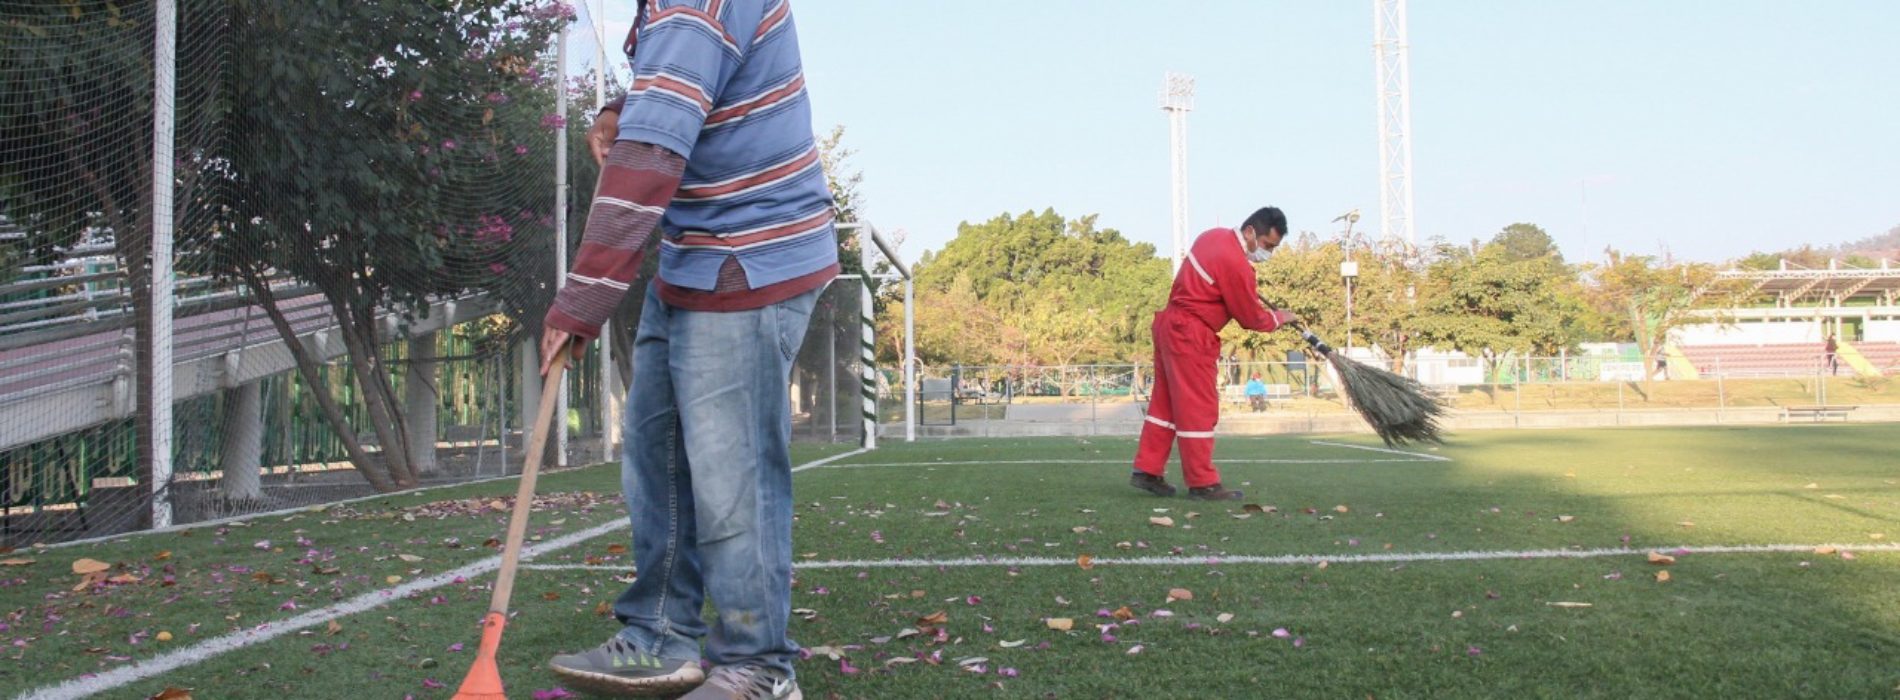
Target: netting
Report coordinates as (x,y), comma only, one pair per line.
(366,199)
(827,376)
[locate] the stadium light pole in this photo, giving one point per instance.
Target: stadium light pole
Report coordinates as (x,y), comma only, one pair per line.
(1393,80)
(1349,270)
(1177,99)
(158,435)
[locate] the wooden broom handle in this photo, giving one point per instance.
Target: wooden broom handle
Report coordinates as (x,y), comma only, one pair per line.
(524,495)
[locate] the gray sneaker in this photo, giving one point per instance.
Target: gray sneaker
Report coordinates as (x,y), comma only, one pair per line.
(747,682)
(619,668)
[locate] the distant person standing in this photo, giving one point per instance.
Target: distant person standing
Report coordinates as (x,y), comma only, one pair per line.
(1215,285)
(1833,359)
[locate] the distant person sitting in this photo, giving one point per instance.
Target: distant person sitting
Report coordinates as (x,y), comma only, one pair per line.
(1833,359)
(1257,394)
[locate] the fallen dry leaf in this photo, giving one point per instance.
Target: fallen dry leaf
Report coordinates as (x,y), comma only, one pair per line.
(392,578)
(1224,618)
(172,694)
(1123,614)
(16,562)
(1662,577)
(491,543)
(1061,624)
(1341,509)
(602,609)
(333,628)
(123,579)
(1175,594)
(90,566)
(550,596)
(1567,604)
(1079,529)
(1660,559)
(1824,549)
(162,556)
(1566,518)
(1085,561)
(1876,535)
(1687,523)
(88,580)
(1323,565)
(1161,520)
(1011,645)
(616,549)
(164,636)
(411,558)
(936,619)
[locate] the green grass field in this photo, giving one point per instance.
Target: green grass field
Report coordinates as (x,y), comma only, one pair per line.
(1345,573)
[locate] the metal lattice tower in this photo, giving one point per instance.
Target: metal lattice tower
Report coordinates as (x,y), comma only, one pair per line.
(1177,99)
(1394,81)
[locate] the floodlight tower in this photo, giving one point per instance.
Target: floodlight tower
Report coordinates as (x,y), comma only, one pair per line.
(1394,81)
(1177,99)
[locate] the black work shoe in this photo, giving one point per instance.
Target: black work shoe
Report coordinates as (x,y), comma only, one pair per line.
(1214,492)
(1151,483)
(619,668)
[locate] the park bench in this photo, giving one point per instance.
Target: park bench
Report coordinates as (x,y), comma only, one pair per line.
(1815,413)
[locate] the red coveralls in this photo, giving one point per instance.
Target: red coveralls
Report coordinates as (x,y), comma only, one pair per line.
(1215,285)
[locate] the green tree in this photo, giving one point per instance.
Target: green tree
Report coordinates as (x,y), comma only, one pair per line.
(380,155)
(1486,304)
(1649,298)
(1063,290)
(1523,242)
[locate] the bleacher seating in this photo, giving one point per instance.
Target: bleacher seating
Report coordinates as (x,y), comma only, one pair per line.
(1884,356)
(1786,360)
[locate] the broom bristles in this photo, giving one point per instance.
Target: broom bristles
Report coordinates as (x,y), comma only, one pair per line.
(1398,408)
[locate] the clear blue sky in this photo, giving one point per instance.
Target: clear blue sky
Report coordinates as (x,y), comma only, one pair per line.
(1711,128)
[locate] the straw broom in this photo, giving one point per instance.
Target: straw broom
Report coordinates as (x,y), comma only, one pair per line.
(483,681)
(1398,408)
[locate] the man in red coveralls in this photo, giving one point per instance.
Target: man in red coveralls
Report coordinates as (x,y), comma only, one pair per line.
(1214,286)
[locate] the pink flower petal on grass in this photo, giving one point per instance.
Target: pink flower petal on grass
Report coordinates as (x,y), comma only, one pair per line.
(455,647)
(1006,672)
(845,667)
(288,605)
(262,544)
(433,684)
(1473,651)
(556,693)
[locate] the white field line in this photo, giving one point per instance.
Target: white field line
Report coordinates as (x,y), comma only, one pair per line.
(93,685)
(822,462)
(1420,455)
(1287,559)
(168,662)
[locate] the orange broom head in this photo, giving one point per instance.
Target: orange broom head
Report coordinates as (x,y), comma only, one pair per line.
(483,681)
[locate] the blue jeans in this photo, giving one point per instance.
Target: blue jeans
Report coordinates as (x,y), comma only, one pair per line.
(708,482)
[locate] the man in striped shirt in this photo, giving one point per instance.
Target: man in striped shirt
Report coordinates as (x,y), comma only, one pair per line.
(713,148)
(1216,286)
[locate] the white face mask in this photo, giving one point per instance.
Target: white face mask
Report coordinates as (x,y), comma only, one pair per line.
(1260,255)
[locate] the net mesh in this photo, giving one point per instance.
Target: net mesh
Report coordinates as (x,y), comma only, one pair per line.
(366,204)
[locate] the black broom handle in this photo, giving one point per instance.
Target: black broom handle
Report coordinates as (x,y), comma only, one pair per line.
(1312,341)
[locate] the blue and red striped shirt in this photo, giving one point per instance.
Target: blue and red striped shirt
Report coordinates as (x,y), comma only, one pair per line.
(721,83)
(738,191)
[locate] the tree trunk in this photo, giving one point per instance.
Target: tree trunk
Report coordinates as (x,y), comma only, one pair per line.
(241,449)
(376,474)
(378,397)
